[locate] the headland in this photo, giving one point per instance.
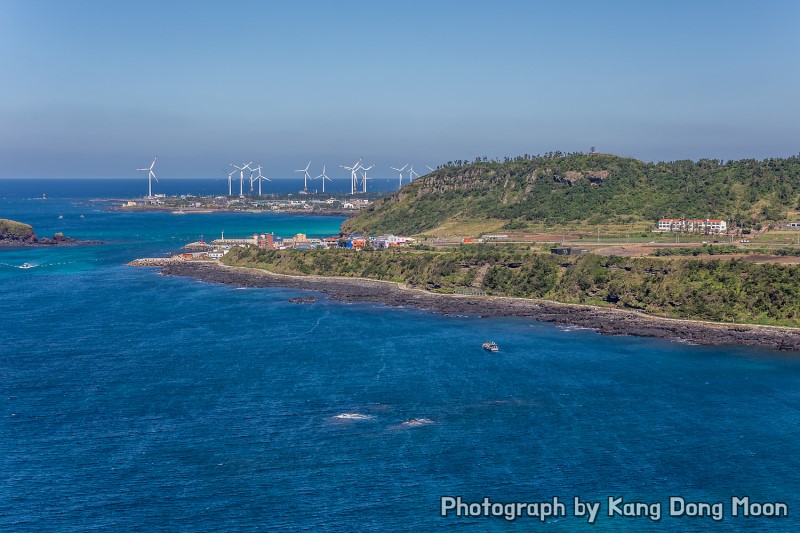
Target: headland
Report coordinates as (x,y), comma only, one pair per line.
(602,320)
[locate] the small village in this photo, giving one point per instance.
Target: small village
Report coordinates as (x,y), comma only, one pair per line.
(268,241)
(184,204)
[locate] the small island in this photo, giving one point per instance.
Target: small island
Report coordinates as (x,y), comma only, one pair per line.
(17,234)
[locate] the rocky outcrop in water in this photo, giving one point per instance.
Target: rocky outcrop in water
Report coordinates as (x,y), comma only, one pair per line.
(13,233)
(300,300)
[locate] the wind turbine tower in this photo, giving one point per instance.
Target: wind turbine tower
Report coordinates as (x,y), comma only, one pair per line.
(324,177)
(306,176)
(150,176)
(412,174)
(230,182)
(241,175)
(353,175)
(259,178)
(400,170)
(364,176)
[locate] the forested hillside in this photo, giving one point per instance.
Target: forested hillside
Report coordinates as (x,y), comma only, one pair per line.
(592,188)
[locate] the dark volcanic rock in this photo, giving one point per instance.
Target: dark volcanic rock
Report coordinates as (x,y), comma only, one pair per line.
(606,321)
(307,300)
(14,233)
(59,239)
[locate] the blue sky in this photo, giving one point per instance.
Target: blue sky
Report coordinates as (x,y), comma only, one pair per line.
(96,88)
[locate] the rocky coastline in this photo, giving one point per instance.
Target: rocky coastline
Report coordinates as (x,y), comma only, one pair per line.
(15,234)
(55,240)
(606,321)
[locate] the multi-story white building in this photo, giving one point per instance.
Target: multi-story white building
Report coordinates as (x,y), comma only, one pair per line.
(707,225)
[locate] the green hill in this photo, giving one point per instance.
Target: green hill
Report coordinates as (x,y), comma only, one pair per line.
(588,188)
(12,231)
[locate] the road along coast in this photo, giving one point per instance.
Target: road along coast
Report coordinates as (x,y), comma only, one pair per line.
(606,321)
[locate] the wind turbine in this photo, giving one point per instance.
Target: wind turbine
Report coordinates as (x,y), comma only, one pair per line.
(411,174)
(241,175)
(431,169)
(364,174)
(324,177)
(306,176)
(230,184)
(400,170)
(353,175)
(260,178)
(150,176)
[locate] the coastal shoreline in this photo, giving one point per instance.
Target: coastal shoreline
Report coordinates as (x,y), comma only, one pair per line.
(184,211)
(116,207)
(605,321)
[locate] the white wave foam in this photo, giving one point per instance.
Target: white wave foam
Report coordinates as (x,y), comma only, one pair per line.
(574,328)
(414,422)
(353,416)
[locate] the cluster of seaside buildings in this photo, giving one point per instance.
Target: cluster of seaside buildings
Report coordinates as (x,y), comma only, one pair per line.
(684,225)
(219,247)
(189,203)
(302,242)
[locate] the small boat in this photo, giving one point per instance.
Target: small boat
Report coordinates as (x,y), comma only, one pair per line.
(491,346)
(26,265)
(60,217)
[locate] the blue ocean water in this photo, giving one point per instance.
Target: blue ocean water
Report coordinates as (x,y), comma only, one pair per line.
(136,401)
(137,188)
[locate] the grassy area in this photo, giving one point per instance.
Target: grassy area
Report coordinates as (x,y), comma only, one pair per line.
(775,237)
(676,287)
(11,229)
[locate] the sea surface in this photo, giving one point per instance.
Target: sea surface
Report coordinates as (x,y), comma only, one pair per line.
(129,401)
(137,188)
